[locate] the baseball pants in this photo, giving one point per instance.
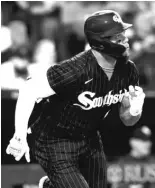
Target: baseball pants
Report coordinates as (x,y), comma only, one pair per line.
(71,163)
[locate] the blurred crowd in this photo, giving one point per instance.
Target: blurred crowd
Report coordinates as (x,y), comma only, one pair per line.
(134,170)
(38,34)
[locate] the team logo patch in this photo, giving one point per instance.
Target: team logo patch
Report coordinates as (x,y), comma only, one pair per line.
(116,18)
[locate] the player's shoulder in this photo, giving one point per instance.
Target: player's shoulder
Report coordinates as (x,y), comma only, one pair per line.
(78,58)
(77,63)
(132,68)
(131,64)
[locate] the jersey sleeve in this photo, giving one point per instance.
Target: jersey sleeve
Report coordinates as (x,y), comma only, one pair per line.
(66,77)
(134,75)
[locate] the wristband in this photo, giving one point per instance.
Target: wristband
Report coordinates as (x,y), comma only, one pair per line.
(135,112)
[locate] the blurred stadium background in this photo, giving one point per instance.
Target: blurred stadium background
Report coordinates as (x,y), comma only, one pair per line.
(37,34)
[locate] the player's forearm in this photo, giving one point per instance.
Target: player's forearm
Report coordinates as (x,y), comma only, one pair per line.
(24,107)
(34,89)
(127,118)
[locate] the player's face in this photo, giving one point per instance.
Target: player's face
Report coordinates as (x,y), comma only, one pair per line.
(121,39)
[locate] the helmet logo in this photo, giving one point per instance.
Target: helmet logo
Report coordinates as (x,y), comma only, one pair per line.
(116,18)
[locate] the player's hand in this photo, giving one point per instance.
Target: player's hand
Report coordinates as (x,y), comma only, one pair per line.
(136,98)
(18,147)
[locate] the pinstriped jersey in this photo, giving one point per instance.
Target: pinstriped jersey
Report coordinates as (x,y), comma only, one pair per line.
(86,94)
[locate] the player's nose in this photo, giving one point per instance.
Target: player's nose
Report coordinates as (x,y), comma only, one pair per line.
(125,39)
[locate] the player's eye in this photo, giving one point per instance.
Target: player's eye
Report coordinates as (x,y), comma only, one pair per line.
(119,41)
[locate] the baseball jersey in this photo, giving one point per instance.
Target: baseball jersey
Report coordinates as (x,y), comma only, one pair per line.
(84,95)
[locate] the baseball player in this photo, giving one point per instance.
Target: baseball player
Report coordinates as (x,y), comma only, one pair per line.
(77,95)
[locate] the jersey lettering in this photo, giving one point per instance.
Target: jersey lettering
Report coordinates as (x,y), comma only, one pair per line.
(88,102)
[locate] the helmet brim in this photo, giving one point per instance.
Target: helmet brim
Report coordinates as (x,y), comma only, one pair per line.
(126,26)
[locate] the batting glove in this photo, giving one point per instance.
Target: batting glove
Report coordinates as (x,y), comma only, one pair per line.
(136,100)
(18,147)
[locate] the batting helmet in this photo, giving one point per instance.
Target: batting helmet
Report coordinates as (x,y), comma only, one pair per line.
(102,25)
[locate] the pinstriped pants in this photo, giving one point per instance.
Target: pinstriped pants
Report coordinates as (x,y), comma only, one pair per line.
(70,163)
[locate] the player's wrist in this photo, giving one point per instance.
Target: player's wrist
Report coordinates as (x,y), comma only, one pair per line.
(135,111)
(20,137)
